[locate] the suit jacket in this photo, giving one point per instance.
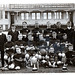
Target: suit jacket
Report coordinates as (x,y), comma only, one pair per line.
(2,41)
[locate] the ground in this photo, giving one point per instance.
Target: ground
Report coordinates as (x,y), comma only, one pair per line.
(71,69)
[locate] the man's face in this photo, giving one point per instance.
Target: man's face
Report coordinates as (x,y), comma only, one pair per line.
(20,37)
(18,50)
(9,37)
(13,29)
(54,35)
(65,36)
(25,25)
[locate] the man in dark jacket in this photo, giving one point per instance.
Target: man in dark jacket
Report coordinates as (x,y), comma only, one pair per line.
(13,33)
(24,32)
(9,51)
(2,41)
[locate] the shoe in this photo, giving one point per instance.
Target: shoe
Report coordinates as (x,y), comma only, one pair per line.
(64,69)
(4,68)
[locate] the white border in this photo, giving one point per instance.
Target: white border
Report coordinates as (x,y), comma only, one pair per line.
(34,1)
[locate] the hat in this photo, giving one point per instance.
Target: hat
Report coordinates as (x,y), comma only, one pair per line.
(13,26)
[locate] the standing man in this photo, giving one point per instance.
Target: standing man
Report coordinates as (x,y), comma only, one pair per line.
(25,32)
(2,41)
(69,31)
(13,33)
(73,38)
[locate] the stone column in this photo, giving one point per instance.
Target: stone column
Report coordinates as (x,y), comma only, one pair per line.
(9,20)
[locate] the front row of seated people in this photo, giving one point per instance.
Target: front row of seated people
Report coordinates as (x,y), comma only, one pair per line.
(19,54)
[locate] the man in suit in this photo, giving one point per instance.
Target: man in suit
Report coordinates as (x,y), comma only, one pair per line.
(2,41)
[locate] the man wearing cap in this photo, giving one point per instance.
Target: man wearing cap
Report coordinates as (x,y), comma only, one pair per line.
(2,41)
(13,33)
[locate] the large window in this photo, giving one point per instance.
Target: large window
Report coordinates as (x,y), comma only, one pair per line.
(27,16)
(55,14)
(33,15)
(58,15)
(38,15)
(22,16)
(49,15)
(44,15)
(67,15)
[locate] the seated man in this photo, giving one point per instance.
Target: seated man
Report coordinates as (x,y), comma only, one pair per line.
(64,37)
(9,51)
(19,58)
(20,43)
(30,38)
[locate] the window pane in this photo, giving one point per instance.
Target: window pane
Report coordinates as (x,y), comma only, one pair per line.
(49,15)
(33,15)
(27,16)
(22,16)
(45,15)
(60,15)
(67,16)
(38,15)
(55,15)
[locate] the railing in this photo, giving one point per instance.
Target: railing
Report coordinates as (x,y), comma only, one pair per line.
(23,6)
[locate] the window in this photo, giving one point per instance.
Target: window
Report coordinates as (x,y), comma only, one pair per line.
(67,15)
(49,15)
(45,15)
(6,15)
(55,15)
(38,15)
(60,15)
(22,16)
(33,15)
(27,16)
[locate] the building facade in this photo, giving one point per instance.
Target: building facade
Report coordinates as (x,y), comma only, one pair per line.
(16,14)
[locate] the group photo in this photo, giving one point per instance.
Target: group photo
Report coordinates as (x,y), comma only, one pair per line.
(37,38)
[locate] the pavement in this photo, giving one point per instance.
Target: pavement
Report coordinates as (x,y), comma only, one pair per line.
(71,69)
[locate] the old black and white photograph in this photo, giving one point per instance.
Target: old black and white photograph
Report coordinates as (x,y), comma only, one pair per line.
(37,37)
